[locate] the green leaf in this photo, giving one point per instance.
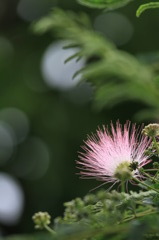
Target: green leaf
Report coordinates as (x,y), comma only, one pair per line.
(145,7)
(108,4)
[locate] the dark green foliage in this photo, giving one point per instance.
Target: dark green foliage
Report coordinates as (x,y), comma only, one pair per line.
(106,215)
(111,215)
(117,75)
(106,4)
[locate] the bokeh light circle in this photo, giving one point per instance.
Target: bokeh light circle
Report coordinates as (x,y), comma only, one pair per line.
(33,159)
(17,120)
(7,140)
(30,10)
(115,26)
(11,200)
(56,73)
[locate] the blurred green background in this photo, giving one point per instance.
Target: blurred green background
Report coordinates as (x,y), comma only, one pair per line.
(44,114)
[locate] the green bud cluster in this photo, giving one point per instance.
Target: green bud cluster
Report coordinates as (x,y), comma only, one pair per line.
(156,165)
(102,208)
(151,130)
(152,150)
(91,208)
(41,219)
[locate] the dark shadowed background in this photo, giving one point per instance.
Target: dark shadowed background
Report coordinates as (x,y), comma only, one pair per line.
(44,114)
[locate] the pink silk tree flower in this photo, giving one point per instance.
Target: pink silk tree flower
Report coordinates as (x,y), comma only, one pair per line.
(114,156)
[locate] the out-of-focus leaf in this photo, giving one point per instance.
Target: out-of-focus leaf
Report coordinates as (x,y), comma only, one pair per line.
(131,78)
(137,231)
(147,114)
(107,4)
(145,7)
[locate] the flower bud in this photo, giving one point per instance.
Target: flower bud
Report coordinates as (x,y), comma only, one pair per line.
(41,219)
(156,165)
(123,172)
(151,130)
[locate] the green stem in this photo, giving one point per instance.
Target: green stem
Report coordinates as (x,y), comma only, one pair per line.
(146,185)
(142,214)
(156,174)
(149,176)
(151,170)
(50,230)
(122,186)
